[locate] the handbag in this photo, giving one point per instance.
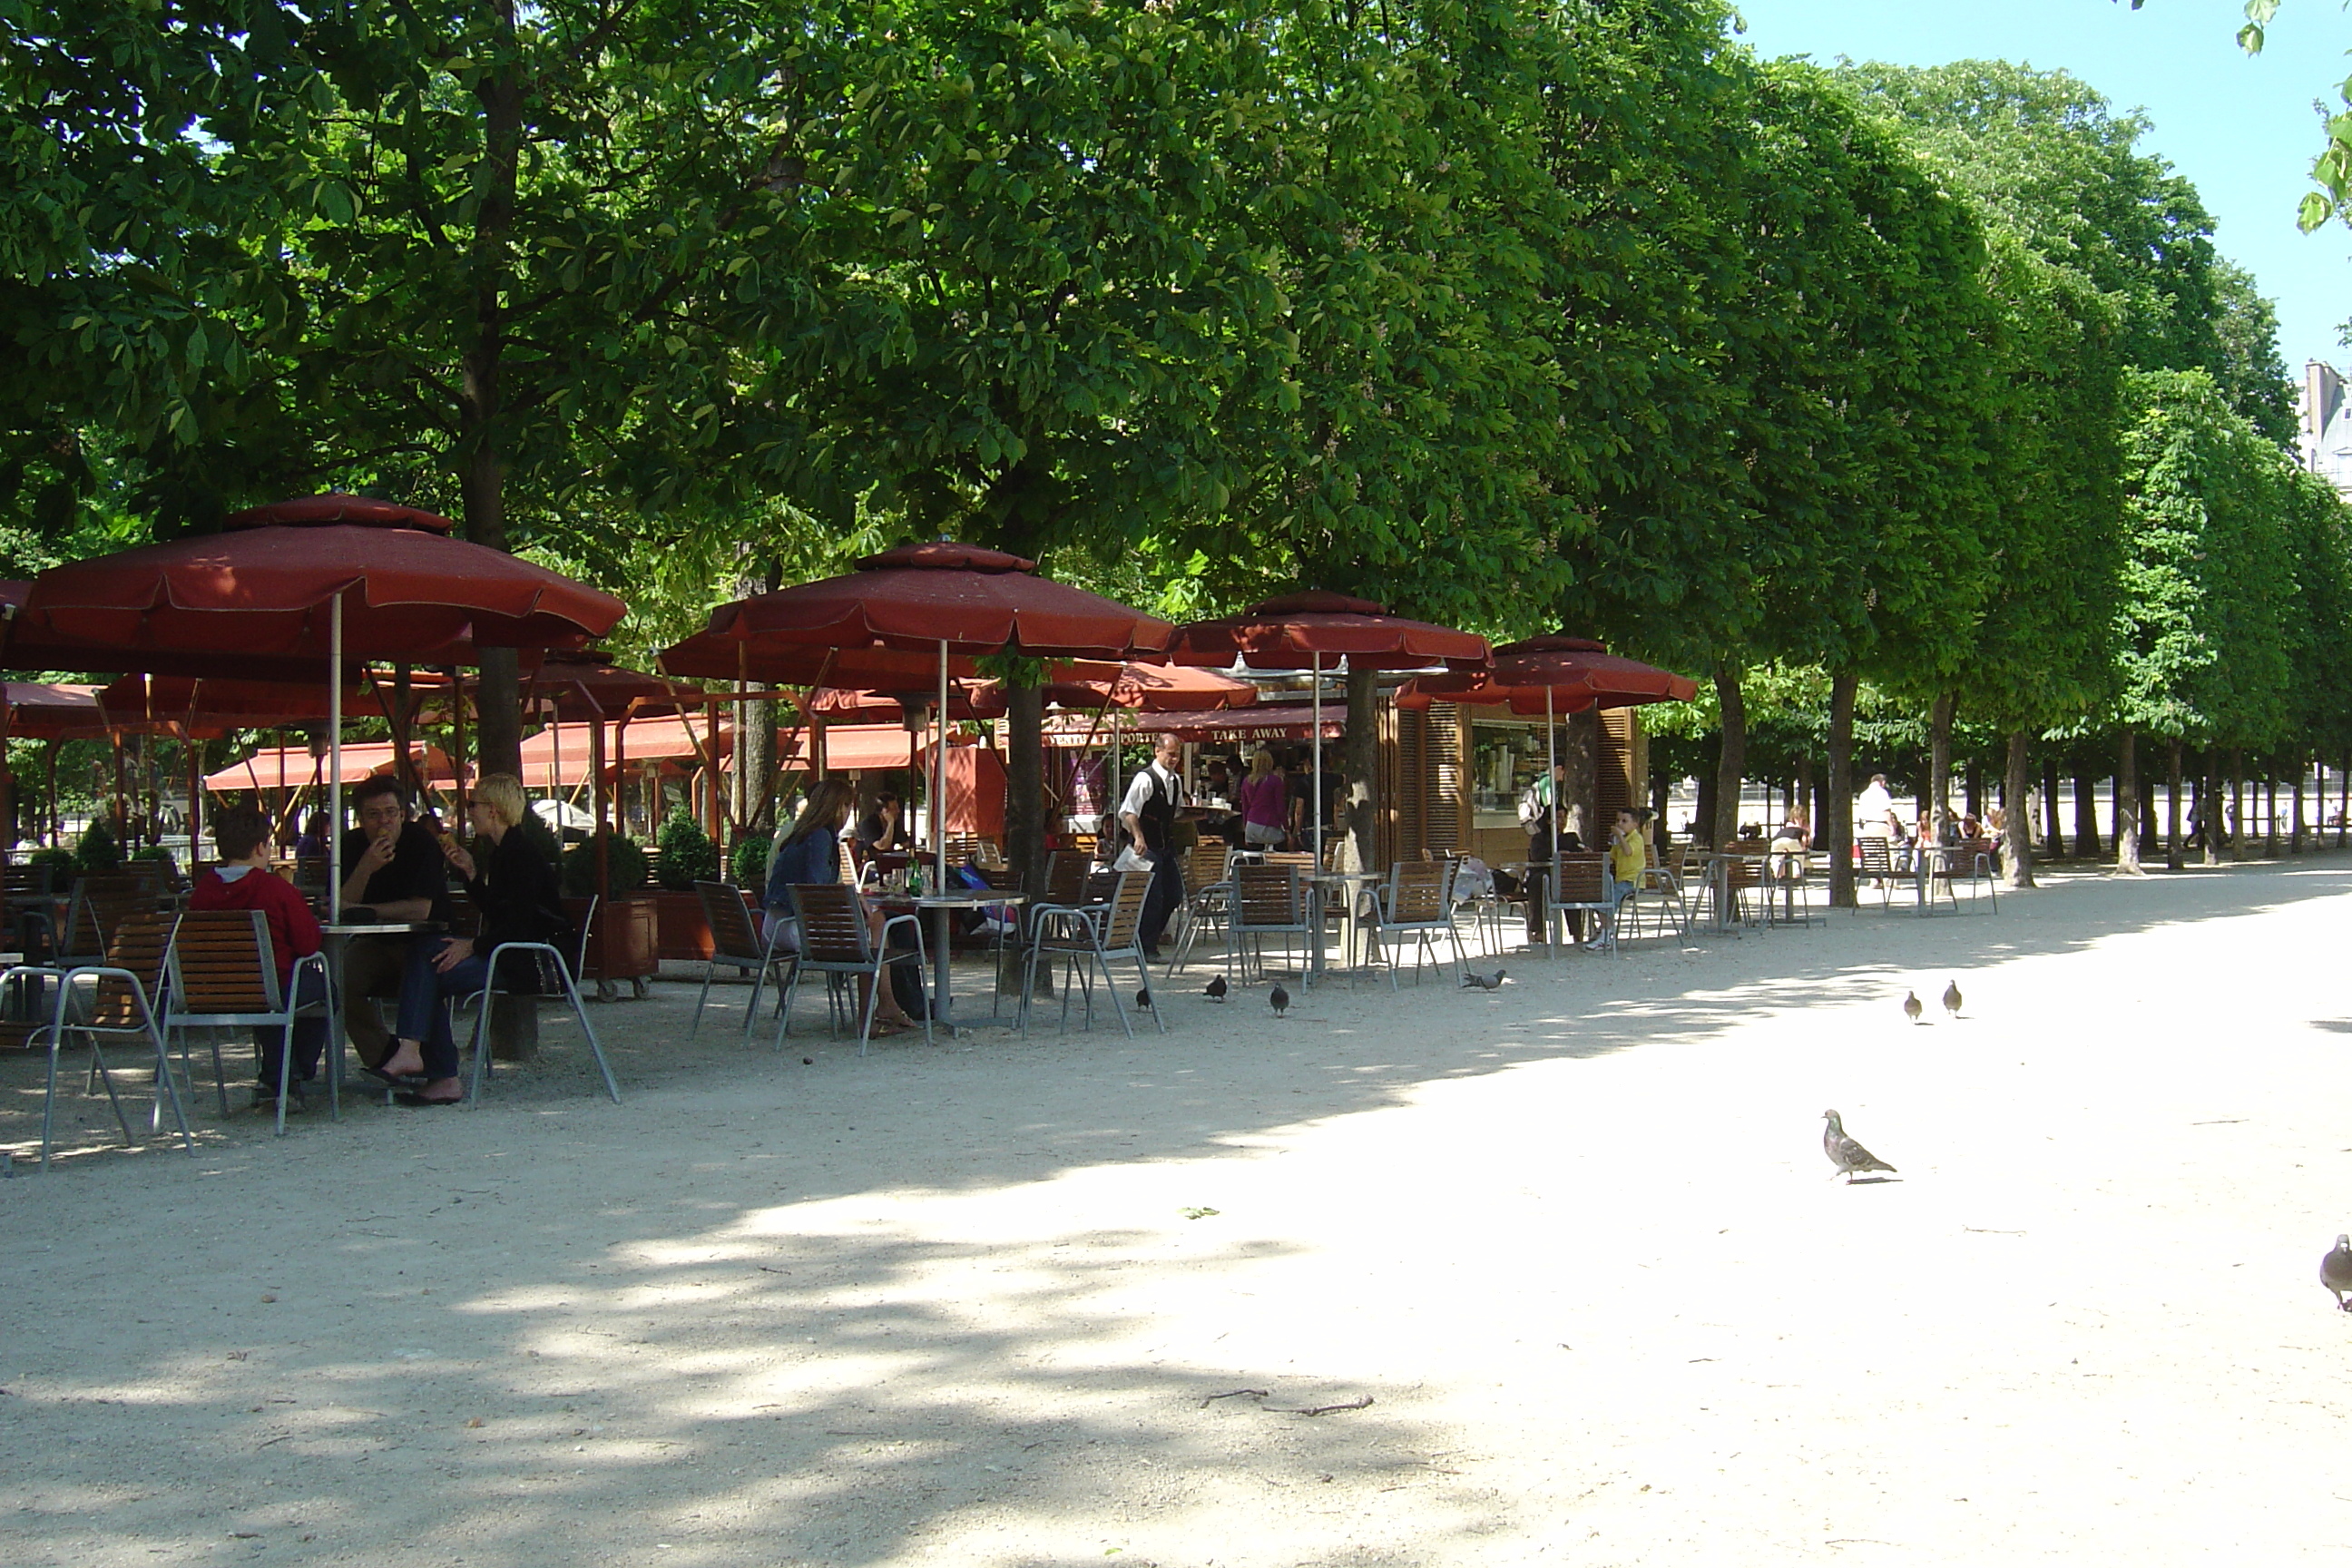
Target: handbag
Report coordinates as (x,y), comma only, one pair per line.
(1130,860)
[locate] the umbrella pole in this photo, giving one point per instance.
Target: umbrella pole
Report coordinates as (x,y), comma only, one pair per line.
(335,758)
(1551,802)
(1315,741)
(939,783)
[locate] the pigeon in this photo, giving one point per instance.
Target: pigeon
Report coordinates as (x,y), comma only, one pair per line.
(2336,1271)
(1144,1000)
(1911,1007)
(1849,1156)
(1952,997)
(1471,978)
(1280,999)
(1217,988)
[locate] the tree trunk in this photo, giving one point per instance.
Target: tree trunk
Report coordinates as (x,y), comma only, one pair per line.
(1976,788)
(1363,811)
(2174,854)
(2053,832)
(2270,815)
(1580,757)
(1727,767)
(1703,806)
(2294,829)
(2127,822)
(1837,833)
(2017,830)
(1939,755)
(2086,816)
(2212,817)
(2240,849)
(2343,804)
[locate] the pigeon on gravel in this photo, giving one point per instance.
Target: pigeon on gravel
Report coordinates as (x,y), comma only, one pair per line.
(1911,1007)
(1144,1000)
(1845,1153)
(1279,999)
(1952,998)
(1217,988)
(1472,979)
(2336,1271)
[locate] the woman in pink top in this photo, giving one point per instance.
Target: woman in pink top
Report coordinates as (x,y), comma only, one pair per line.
(1264,800)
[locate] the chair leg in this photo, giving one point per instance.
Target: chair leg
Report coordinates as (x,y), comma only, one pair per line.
(874,985)
(1110,989)
(751,1009)
(166,1084)
(285,1069)
(481,1048)
(792,991)
(1143,971)
(579,1011)
(709,972)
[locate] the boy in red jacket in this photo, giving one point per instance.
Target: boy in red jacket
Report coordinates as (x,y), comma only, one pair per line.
(243,881)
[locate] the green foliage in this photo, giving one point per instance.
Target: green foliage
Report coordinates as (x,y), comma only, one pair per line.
(687,855)
(96,851)
(747,864)
(63,866)
(627,866)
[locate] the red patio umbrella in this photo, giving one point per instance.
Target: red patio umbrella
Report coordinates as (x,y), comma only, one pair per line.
(1306,631)
(333,576)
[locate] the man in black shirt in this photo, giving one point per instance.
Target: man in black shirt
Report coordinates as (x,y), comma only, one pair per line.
(391,869)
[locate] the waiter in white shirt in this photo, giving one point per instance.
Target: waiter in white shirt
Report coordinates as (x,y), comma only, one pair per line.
(1148,814)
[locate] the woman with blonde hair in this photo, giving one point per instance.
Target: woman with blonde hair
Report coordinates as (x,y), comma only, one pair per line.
(1264,801)
(514,886)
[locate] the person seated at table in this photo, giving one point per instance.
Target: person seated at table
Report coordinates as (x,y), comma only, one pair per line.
(393,873)
(514,885)
(313,841)
(882,829)
(1629,856)
(1790,840)
(243,881)
(810,854)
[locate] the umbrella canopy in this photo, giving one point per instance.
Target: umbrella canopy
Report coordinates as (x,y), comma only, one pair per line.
(36,710)
(978,699)
(1576,672)
(582,686)
(855,747)
(264,586)
(1317,630)
(566,752)
(707,655)
(922,596)
(1147,688)
(294,767)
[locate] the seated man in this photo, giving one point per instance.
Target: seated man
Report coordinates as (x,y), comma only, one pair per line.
(392,871)
(243,881)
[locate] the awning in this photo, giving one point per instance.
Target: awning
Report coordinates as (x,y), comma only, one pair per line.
(293,767)
(1284,721)
(561,752)
(850,748)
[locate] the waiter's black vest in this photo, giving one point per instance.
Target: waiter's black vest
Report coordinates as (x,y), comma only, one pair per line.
(1158,813)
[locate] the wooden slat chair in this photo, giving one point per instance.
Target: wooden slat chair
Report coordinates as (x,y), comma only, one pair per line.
(554,976)
(31,899)
(1579,881)
(735,941)
(1268,900)
(1876,862)
(99,902)
(1207,888)
(1416,905)
(223,975)
(1789,887)
(837,941)
(1088,943)
(311,873)
(1491,907)
(1973,860)
(117,997)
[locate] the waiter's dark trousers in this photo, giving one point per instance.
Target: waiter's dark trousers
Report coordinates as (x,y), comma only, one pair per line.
(1159,900)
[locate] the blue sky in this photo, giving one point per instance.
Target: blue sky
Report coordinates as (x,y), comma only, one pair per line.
(2241,129)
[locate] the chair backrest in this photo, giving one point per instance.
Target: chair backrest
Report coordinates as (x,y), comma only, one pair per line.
(221,963)
(143,944)
(1126,910)
(1268,895)
(832,924)
(27,881)
(1417,891)
(1876,860)
(1301,859)
(1065,876)
(1742,873)
(1577,878)
(99,902)
(1204,865)
(732,934)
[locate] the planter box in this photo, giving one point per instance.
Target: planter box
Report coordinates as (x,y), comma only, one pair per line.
(683,935)
(622,946)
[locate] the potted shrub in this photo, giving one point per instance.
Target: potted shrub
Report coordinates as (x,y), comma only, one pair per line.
(625,945)
(686,856)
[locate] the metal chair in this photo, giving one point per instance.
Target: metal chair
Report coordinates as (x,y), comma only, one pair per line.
(735,940)
(1207,889)
(1088,942)
(1667,889)
(1944,869)
(1417,904)
(1269,900)
(119,999)
(837,941)
(1876,861)
(223,974)
(99,902)
(1580,882)
(554,974)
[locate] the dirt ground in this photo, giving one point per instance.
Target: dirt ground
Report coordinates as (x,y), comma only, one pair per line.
(1067,1301)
